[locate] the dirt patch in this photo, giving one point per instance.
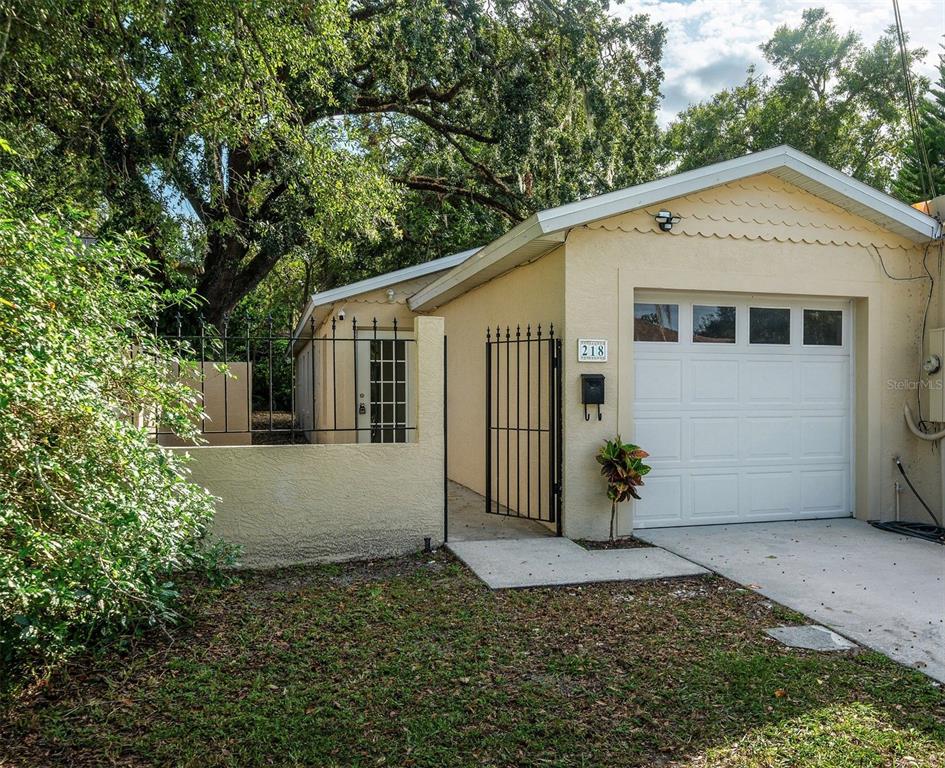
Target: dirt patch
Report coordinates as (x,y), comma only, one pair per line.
(624,542)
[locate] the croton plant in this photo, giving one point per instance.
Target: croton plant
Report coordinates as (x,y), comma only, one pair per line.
(622,465)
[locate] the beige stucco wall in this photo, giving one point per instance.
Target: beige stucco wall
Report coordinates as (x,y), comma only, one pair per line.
(310,503)
(757,236)
(530,294)
(334,392)
(226,398)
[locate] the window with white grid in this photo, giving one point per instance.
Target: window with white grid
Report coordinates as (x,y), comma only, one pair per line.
(388,391)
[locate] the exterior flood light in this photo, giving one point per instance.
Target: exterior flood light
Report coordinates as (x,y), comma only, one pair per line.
(666,220)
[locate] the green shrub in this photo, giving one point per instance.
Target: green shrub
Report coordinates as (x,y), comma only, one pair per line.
(94,518)
(622,464)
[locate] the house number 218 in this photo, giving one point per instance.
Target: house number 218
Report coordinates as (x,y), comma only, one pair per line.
(592,350)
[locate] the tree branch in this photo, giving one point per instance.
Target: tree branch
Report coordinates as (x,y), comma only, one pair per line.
(436,124)
(428,184)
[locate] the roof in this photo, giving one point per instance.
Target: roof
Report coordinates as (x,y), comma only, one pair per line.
(322,298)
(544,230)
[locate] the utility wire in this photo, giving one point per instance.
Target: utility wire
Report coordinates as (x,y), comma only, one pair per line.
(925,171)
(925,315)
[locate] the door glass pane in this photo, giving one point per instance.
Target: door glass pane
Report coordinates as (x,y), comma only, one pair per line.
(713,324)
(823,327)
(767,325)
(388,390)
(655,322)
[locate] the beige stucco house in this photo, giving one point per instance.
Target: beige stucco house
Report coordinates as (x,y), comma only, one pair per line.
(760,342)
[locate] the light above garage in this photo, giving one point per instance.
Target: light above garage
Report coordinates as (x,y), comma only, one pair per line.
(666,219)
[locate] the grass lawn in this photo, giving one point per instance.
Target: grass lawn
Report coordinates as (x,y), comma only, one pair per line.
(413,662)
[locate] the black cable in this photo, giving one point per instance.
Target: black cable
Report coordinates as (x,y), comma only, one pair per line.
(905,477)
(925,315)
(915,122)
(922,531)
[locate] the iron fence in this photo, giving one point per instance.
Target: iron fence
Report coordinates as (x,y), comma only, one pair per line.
(340,382)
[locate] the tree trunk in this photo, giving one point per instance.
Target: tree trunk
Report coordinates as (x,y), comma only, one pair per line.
(613,517)
(226,279)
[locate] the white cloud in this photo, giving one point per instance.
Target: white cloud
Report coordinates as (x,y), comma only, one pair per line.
(710,43)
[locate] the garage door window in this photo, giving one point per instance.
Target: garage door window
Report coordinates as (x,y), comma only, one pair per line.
(823,328)
(713,324)
(655,322)
(769,325)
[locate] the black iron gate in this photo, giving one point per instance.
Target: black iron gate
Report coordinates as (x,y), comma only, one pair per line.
(523,424)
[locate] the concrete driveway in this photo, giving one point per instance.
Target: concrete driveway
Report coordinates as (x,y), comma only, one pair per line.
(883,590)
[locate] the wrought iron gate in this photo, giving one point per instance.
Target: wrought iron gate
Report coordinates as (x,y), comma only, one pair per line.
(523,424)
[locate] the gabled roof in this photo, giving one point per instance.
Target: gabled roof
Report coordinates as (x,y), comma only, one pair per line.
(542,231)
(381,281)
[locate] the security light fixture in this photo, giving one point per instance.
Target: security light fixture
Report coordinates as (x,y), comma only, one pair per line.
(666,220)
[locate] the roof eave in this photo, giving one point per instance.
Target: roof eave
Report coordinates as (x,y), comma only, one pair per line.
(386,280)
(443,287)
(549,225)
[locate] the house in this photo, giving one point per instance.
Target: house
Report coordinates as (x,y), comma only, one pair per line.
(756,325)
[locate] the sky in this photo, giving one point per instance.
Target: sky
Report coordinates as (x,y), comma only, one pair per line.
(710,43)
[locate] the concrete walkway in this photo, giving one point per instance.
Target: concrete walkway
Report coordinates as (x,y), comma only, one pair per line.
(552,561)
(468,520)
(883,590)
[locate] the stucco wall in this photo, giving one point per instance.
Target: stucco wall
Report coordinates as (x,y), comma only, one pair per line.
(757,236)
(308,503)
(531,294)
(334,393)
(226,404)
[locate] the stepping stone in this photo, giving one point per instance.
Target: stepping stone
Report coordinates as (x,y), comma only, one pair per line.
(812,637)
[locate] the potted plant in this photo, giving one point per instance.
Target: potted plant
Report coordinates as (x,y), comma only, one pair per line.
(622,465)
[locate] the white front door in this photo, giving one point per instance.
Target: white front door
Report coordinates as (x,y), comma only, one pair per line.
(385,412)
(744,404)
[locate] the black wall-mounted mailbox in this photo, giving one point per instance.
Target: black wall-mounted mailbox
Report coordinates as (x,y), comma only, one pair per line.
(592,393)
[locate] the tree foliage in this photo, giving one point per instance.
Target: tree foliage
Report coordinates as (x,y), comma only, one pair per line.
(912,182)
(832,96)
(94,518)
(234,134)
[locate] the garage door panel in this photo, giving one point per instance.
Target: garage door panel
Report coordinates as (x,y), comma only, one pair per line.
(714,497)
(662,502)
(824,491)
(825,382)
(658,381)
(768,382)
(824,437)
(769,437)
(662,438)
(771,494)
(744,432)
(713,381)
(713,438)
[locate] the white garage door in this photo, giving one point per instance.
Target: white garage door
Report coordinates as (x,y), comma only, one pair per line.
(744,406)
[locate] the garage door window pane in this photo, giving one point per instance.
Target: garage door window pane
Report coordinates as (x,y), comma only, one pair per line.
(655,322)
(823,327)
(715,325)
(768,325)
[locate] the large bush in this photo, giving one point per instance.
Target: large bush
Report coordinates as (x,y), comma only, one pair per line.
(94,518)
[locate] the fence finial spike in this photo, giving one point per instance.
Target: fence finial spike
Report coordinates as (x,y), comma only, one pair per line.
(518,331)
(551,330)
(528,331)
